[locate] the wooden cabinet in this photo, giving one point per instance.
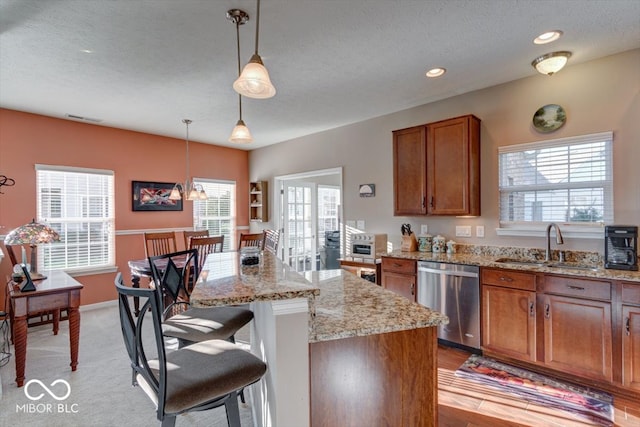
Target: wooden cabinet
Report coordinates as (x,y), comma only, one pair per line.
(364,270)
(453,166)
(436,168)
(258,201)
(409,171)
(630,329)
(577,326)
(399,276)
(509,313)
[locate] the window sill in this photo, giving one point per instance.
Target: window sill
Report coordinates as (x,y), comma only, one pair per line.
(91,271)
(570,231)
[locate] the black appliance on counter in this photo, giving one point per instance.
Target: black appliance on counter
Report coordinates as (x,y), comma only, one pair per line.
(332,250)
(621,247)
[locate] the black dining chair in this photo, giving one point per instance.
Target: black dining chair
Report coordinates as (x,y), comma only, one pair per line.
(170,273)
(195,377)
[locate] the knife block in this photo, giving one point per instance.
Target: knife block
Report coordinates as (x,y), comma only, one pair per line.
(409,243)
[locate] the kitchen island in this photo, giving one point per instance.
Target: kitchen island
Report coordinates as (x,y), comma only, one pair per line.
(339,349)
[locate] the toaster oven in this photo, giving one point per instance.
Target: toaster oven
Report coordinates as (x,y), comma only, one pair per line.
(367,245)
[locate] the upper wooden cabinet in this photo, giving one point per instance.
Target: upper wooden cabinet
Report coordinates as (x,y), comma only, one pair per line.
(437,168)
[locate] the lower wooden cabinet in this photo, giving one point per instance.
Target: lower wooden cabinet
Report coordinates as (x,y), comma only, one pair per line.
(399,276)
(630,330)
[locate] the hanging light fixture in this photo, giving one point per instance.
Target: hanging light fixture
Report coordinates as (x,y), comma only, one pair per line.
(240,132)
(551,63)
(254,81)
(189,190)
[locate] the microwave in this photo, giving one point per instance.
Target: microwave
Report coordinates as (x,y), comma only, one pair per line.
(367,245)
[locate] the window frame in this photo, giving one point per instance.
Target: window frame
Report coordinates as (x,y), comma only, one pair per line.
(569,229)
(108,220)
(230,240)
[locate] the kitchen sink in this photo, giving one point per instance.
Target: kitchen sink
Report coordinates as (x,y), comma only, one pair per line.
(573,266)
(521,261)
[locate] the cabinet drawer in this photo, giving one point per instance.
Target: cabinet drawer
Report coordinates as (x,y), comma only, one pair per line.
(577,287)
(631,293)
(399,265)
(509,279)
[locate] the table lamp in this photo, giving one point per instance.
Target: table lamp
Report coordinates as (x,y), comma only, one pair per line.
(32,234)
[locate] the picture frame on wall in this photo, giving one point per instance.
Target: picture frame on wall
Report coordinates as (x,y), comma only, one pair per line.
(153,196)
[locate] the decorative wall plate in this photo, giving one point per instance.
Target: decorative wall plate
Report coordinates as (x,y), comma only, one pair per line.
(549,118)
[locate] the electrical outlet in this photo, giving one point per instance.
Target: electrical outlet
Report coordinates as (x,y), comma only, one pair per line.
(463,231)
(424,229)
(479,230)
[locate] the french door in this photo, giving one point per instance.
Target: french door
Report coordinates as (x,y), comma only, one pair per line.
(300,217)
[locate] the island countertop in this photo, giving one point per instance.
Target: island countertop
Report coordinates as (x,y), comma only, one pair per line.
(341,304)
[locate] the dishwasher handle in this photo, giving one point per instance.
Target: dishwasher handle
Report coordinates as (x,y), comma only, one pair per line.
(447,272)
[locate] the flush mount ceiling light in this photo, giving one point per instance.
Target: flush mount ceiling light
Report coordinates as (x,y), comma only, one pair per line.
(254,82)
(548,37)
(436,72)
(551,63)
(189,190)
(240,132)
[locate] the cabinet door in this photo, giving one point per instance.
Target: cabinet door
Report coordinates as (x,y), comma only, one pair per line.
(409,171)
(453,165)
(509,322)
(401,284)
(631,346)
(577,336)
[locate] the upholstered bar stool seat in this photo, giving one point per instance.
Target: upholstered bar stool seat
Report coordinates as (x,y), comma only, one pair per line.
(200,324)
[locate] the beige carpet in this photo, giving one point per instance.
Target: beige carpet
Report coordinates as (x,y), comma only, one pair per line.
(101,391)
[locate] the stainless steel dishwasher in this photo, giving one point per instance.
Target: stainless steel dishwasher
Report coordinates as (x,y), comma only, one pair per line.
(453,290)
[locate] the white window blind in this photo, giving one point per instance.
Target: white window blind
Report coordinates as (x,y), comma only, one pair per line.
(79,204)
(218,213)
(566,180)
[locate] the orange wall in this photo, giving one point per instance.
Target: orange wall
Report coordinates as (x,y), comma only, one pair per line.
(29,139)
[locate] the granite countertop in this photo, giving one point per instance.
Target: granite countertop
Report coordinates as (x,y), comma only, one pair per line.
(349,306)
(341,304)
(486,257)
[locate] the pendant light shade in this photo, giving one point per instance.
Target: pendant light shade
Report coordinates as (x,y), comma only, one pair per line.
(254,81)
(189,190)
(551,63)
(241,133)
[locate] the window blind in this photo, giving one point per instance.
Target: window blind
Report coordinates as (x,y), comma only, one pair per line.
(79,204)
(218,213)
(566,180)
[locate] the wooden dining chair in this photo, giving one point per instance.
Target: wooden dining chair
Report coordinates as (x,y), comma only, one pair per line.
(254,239)
(271,240)
(159,243)
(197,233)
(205,246)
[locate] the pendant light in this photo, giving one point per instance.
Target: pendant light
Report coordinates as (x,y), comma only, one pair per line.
(189,190)
(240,132)
(254,81)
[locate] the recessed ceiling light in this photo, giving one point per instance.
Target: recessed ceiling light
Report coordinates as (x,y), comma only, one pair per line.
(436,72)
(86,51)
(548,37)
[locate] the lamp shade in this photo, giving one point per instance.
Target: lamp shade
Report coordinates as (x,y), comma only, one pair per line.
(254,81)
(551,63)
(33,233)
(241,133)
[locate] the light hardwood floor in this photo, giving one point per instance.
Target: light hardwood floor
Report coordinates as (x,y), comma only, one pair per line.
(464,403)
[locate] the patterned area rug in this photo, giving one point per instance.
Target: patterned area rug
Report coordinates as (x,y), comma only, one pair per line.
(588,404)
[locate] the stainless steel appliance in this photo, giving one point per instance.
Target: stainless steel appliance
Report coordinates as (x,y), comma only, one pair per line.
(453,290)
(331,250)
(367,245)
(621,247)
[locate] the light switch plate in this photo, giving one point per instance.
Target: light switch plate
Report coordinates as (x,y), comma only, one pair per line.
(424,229)
(479,230)
(463,231)
(360,224)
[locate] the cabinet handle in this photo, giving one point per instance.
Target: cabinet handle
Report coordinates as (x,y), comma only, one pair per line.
(627,326)
(577,288)
(424,202)
(413,288)
(547,309)
(531,311)
(506,279)
(431,201)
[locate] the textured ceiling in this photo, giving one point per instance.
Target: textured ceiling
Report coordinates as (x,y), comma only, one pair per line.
(333,62)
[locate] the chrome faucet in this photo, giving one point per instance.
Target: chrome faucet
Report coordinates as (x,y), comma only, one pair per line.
(559,239)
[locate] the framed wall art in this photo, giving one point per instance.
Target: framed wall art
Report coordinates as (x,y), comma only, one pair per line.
(153,196)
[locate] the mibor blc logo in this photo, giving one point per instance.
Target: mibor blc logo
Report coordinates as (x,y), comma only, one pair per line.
(35,390)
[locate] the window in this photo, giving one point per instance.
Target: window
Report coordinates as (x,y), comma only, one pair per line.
(328,204)
(568,181)
(218,213)
(79,205)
